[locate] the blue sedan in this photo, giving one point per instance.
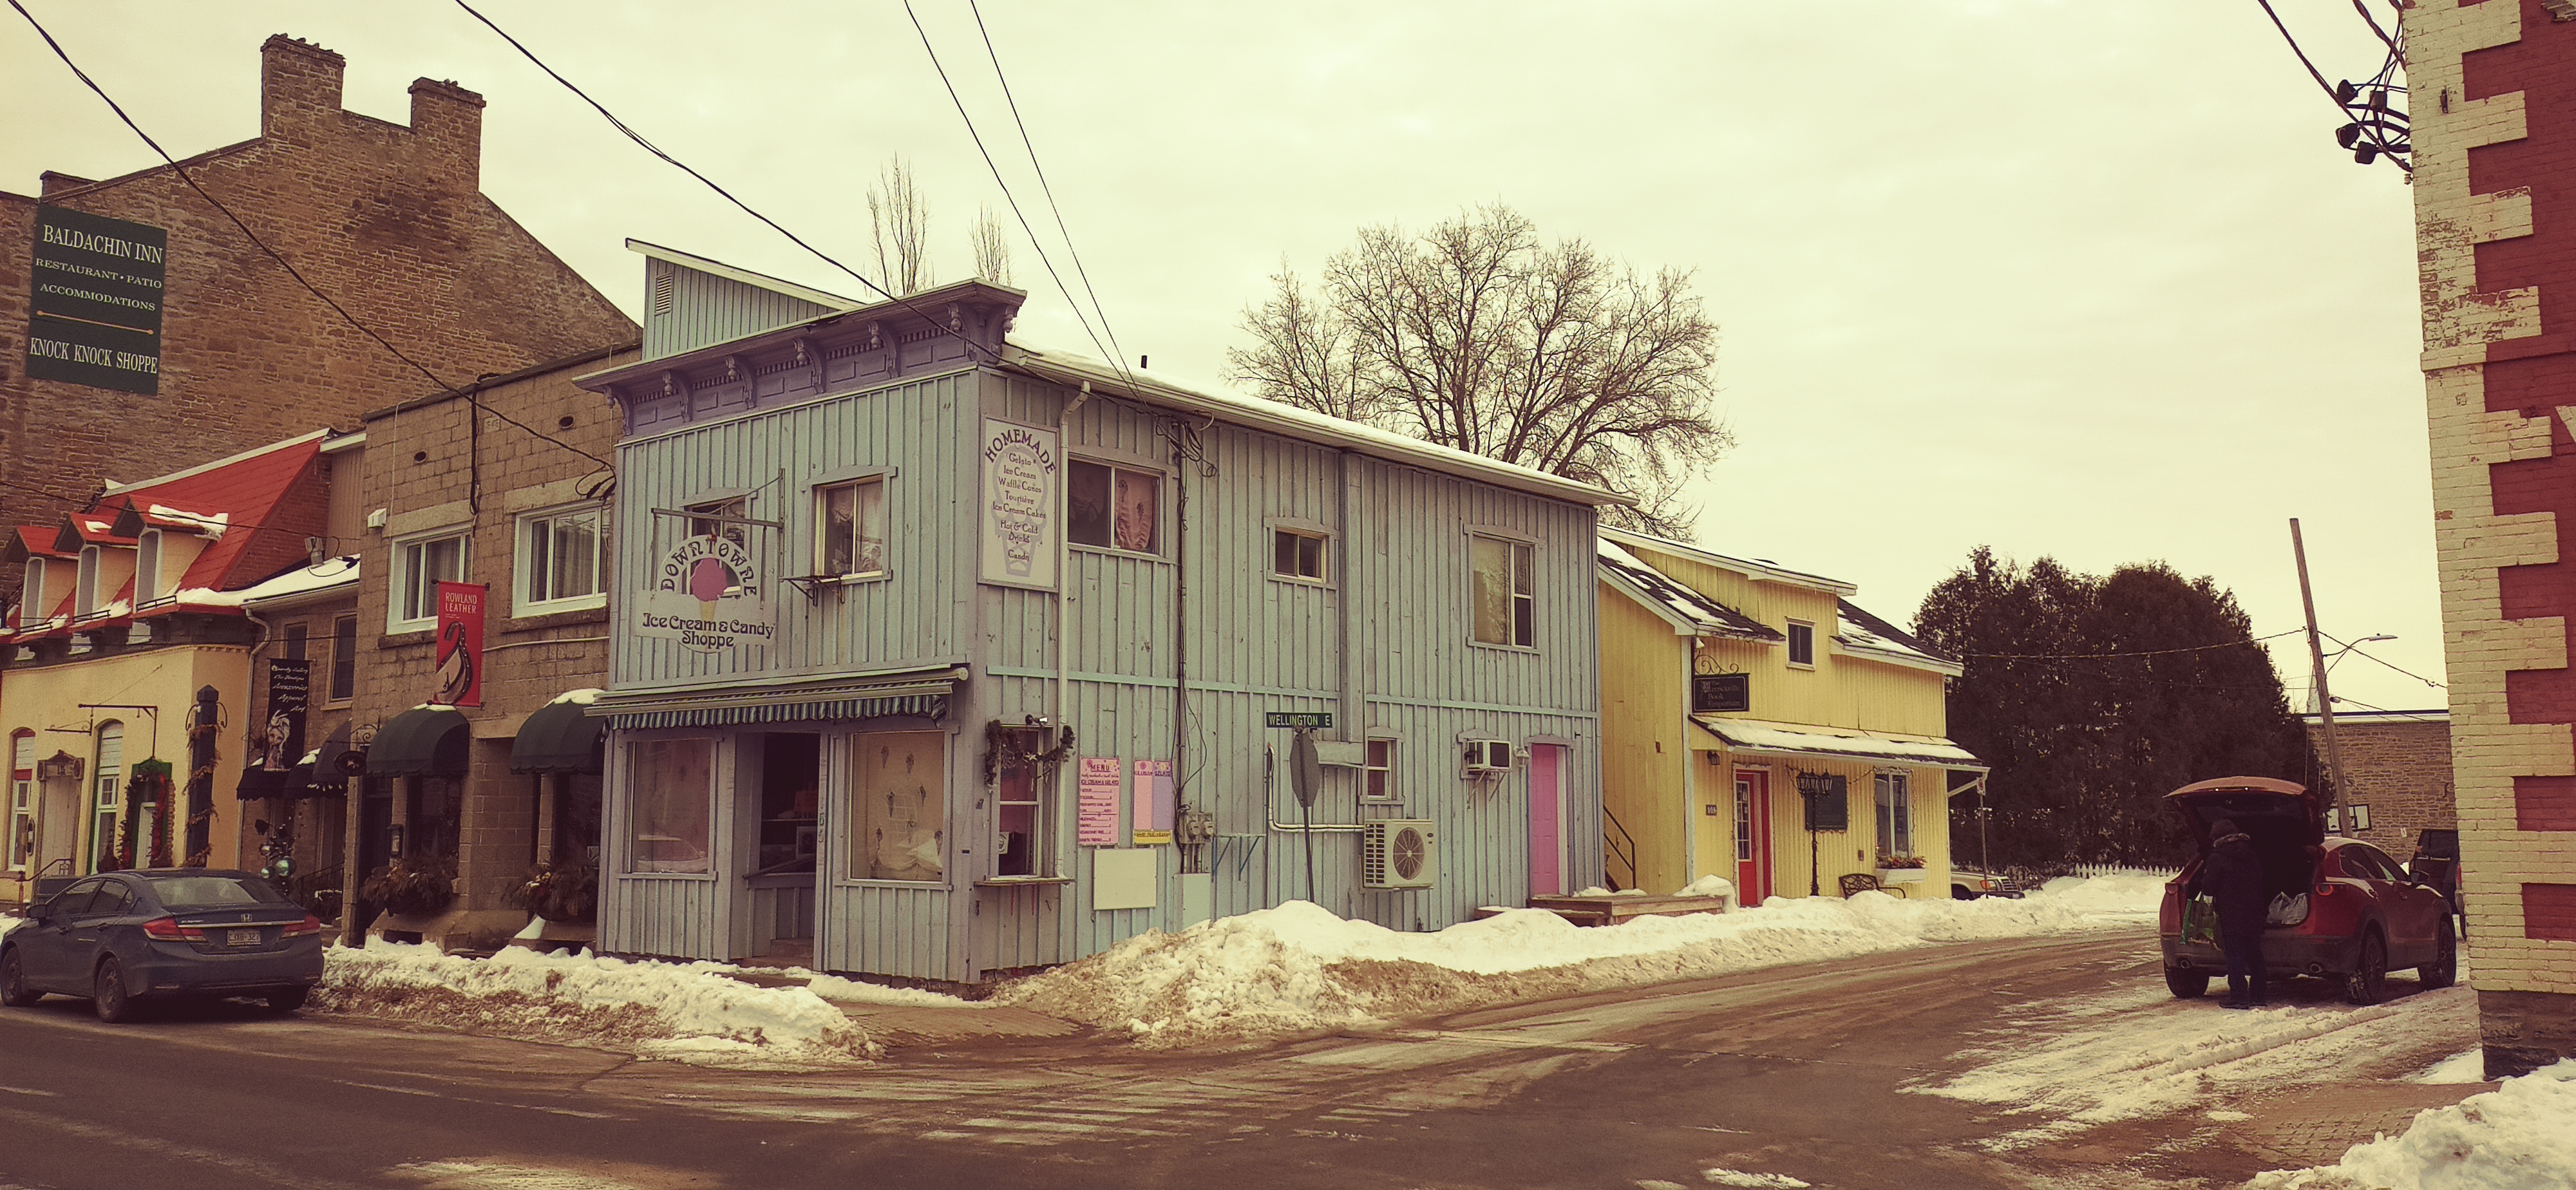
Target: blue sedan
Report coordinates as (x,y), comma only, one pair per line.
(121,937)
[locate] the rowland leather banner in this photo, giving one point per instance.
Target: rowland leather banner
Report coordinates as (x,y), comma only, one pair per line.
(460,645)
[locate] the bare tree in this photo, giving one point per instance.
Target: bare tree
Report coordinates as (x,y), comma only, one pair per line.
(899,220)
(1475,335)
(991,249)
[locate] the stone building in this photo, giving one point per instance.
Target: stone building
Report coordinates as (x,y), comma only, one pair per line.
(389,220)
(2494,132)
(2397,765)
(460,487)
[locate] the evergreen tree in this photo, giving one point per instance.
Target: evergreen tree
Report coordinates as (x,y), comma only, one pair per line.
(2095,697)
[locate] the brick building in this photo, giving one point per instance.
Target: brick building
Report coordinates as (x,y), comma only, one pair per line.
(2398,766)
(453,492)
(387,219)
(2493,106)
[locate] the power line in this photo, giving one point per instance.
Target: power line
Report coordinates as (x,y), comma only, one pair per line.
(2139,653)
(269,252)
(656,150)
(1119,352)
(1007,196)
(2356,651)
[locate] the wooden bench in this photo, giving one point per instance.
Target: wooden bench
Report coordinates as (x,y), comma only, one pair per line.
(1861,882)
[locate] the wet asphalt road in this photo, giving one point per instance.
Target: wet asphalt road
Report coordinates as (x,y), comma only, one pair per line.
(1793,1070)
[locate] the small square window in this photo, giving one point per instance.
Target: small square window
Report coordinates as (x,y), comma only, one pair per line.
(1297,555)
(710,520)
(1113,507)
(293,640)
(850,528)
(562,561)
(1378,774)
(1802,643)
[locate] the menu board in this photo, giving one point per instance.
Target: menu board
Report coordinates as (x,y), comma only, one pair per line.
(1096,802)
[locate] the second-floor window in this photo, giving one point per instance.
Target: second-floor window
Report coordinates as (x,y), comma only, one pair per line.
(1505,580)
(561,561)
(1114,508)
(33,607)
(1297,555)
(850,528)
(85,583)
(344,659)
(419,566)
(1802,643)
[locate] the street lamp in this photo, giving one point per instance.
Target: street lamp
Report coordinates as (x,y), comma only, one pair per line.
(2337,656)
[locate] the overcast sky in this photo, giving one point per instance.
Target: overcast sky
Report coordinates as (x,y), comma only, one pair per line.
(2080,279)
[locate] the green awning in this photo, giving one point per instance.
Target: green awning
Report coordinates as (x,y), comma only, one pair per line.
(421,742)
(558,738)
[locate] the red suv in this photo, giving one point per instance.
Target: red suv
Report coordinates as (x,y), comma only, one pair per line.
(2341,909)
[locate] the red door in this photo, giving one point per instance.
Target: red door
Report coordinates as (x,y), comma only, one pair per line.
(1752,836)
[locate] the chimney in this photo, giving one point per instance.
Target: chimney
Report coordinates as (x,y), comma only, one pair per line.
(447,132)
(299,88)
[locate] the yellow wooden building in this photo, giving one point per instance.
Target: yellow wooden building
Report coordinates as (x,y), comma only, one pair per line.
(1727,687)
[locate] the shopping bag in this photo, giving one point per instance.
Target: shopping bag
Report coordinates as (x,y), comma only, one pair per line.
(2200,921)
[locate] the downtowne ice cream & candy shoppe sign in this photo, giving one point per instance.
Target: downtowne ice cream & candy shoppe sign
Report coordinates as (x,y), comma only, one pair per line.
(708,593)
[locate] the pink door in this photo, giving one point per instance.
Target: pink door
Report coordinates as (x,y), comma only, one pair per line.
(1547,820)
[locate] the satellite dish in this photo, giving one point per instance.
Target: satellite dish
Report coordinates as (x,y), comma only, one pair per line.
(1305,769)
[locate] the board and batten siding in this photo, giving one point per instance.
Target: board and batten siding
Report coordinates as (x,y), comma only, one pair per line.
(686,309)
(1257,643)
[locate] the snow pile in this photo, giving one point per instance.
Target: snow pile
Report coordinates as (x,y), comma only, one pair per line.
(8,923)
(2520,1136)
(1299,970)
(2466,1066)
(689,1012)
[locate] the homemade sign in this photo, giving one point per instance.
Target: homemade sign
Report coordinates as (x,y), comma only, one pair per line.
(1021,503)
(1155,804)
(1096,802)
(460,645)
(95,313)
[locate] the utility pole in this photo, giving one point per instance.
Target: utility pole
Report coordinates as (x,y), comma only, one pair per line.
(2317,664)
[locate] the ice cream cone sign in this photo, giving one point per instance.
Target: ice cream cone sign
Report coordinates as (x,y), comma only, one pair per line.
(707,594)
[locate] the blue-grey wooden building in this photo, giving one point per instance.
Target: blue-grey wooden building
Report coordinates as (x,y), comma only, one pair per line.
(942,656)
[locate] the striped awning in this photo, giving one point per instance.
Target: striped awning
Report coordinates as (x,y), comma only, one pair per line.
(914,693)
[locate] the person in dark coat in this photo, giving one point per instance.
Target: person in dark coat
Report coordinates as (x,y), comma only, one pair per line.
(2232,877)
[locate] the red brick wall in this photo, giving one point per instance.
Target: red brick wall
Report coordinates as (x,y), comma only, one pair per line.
(386,219)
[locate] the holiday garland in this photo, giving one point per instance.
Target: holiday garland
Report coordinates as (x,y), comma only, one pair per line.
(150,783)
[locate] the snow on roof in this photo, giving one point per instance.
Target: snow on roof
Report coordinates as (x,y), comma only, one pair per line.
(211,524)
(1305,425)
(1837,743)
(580,698)
(1750,568)
(303,580)
(1869,636)
(1678,603)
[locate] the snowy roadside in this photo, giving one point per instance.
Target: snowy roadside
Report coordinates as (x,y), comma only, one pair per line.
(685,1012)
(1297,970)
(2520,1136)
(2071,1065)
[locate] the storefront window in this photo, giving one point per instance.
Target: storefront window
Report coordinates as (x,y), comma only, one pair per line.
(899,807)
(674,787)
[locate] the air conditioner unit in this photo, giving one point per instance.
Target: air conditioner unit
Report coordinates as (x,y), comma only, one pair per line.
(1399,853)
(1486,758)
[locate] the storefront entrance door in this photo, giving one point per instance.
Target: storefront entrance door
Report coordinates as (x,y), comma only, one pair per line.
(1752,836)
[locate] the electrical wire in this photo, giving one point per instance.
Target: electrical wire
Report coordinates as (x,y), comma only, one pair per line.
(2356,651)
(2140,653)
(1119,353)
(271,253)
(1007,196)
(648,146)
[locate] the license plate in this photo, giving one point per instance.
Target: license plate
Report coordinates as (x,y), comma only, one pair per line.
(241,937)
